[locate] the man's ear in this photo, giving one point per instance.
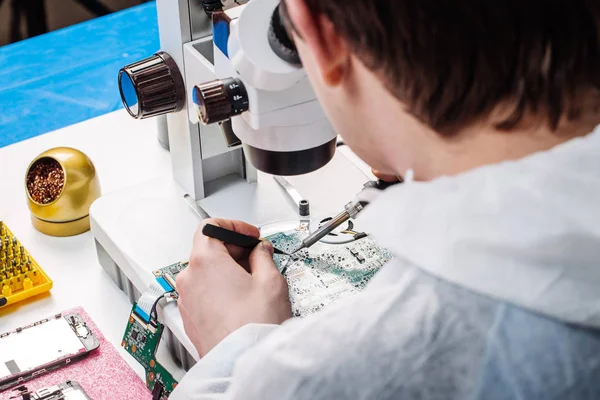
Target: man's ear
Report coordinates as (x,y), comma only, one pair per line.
(328,48)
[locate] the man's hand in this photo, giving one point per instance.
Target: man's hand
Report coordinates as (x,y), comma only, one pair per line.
(226,287)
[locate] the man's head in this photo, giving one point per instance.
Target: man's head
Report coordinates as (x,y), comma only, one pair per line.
(444,66)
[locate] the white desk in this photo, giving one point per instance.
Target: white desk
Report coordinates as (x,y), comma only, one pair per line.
(125,152)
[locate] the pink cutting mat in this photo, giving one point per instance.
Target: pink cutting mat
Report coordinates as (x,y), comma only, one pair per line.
(104,375)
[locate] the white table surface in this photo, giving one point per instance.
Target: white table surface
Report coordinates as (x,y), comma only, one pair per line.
(125,152)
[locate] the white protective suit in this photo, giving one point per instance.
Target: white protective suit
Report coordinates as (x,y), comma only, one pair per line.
(494,293)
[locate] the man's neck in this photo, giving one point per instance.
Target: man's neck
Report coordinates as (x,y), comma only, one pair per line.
(482,144)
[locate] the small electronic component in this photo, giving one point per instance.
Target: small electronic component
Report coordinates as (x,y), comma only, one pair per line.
(357,255)
(141,340)
(68,390)
(158,390)
(20,275)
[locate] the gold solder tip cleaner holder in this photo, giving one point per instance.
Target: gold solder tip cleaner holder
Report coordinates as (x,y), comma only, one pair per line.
(61,185)
(20,275)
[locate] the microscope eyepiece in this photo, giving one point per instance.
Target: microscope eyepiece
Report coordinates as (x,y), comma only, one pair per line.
(280,41)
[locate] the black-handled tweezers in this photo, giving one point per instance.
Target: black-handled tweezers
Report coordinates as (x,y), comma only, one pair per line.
(234,238)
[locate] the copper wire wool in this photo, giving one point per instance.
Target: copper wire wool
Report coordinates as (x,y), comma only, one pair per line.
(45,180)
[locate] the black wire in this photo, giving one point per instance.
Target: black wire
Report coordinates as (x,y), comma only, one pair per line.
(153,313)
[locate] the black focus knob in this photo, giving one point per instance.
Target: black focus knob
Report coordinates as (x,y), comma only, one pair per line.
(220,100)
(211,6)
(151,87)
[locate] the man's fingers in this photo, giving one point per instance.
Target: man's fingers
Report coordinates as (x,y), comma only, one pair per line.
(208,245)
(269,281)
(236,226)
(385,177)
(261,259)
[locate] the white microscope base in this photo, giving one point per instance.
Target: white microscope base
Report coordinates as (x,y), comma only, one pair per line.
(150,226)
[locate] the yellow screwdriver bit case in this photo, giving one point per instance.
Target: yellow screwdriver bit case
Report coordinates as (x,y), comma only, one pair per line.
(20,275)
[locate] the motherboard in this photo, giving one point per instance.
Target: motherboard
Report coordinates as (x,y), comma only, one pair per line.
(317,276)
(326,273)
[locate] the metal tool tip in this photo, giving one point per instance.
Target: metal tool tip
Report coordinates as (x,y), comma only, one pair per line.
(302,246)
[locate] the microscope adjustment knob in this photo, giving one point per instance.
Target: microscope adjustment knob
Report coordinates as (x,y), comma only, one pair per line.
(152,87)
(211,6)
(220,100)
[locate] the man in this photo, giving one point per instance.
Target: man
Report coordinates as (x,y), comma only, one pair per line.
(494,291)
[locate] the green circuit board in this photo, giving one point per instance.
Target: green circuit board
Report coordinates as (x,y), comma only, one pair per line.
(169,274)
(326,273)
(141,340)
(316,277)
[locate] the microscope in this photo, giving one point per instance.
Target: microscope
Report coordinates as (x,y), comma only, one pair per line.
(239,111)
(246,87)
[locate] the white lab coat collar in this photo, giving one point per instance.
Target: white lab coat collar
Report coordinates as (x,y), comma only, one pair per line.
(527,231)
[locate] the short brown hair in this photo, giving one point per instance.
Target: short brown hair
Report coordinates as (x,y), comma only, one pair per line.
(452,62)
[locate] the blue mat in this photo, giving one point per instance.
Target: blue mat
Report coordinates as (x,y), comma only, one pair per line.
(67,76)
